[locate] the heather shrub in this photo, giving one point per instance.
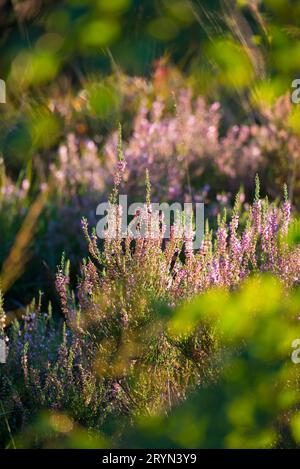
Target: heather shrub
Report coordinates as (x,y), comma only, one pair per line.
(194,151)
(75,186)
(14,202)
(141,340)
(78,181)
(97,375)
(114,358)
(255,401)
(178,138)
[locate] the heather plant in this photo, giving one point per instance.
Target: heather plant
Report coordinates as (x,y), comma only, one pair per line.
(113,357)
(74,186)
(255,401)
(147,341)
(78,180)
(278,139)
(94,375)
(193,160)
(179,141)
(191,151)
(79,168)
(103,365)
(14,202)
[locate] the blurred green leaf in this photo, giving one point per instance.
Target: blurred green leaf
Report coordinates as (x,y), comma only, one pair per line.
(99,33)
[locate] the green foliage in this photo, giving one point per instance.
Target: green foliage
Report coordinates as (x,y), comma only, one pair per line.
(254,402)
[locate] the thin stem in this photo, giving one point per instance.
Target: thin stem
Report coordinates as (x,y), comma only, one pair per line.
(7,425)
